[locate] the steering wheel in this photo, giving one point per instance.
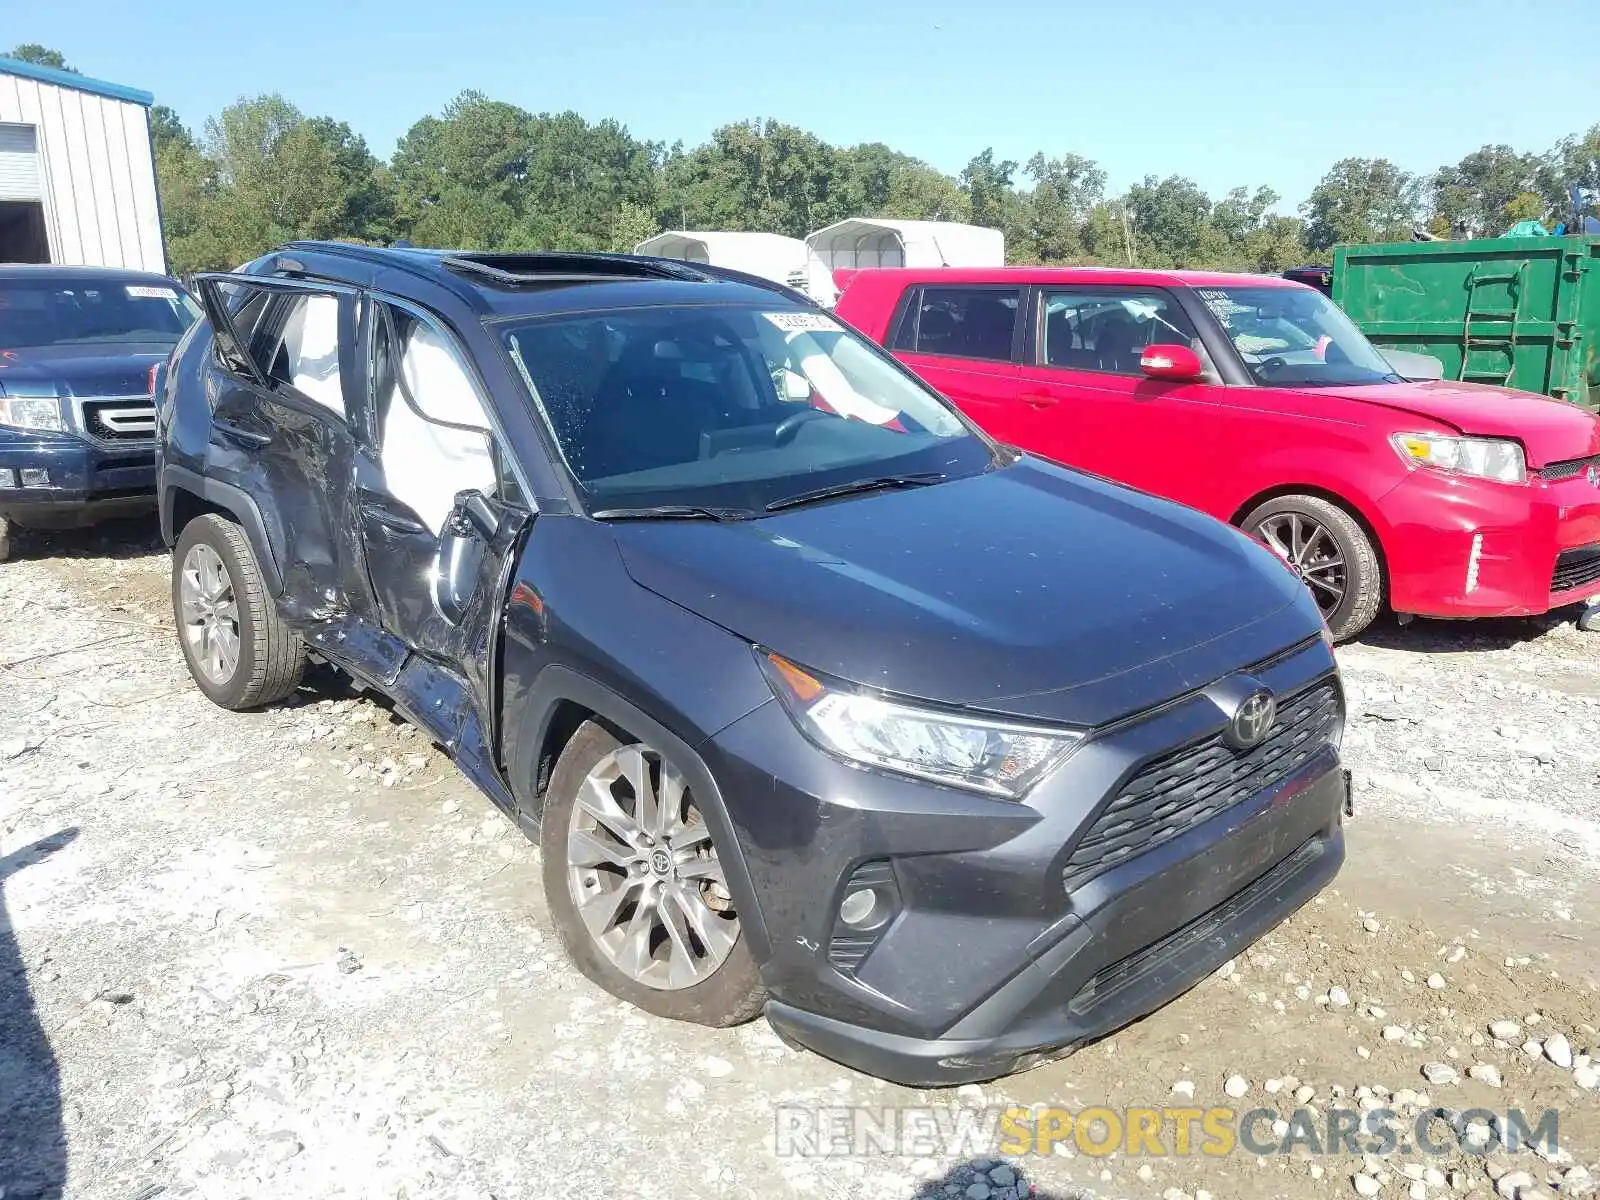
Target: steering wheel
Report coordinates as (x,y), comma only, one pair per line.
(790,425)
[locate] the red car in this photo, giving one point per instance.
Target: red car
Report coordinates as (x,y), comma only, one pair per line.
(1256,400)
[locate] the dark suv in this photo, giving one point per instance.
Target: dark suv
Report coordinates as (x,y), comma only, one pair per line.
(819,703)
(79,347)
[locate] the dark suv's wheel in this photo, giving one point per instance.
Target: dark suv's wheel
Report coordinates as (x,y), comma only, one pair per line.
(238,649)
(635,886)
(1331,552)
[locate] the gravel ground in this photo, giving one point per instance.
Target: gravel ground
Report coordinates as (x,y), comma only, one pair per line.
(295,952)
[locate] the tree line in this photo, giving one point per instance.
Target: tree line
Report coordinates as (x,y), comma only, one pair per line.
(487,175)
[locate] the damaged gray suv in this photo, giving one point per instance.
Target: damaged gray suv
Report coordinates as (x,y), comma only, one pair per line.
(803,684)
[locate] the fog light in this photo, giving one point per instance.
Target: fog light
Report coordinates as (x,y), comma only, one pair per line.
(8,478)
(858,908)
(35,477)
(1472,562)
(870,902)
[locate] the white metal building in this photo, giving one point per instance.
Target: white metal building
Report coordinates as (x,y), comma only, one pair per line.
(77,173)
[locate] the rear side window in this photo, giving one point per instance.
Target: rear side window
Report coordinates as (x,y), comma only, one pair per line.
(1107,329)
(968,322)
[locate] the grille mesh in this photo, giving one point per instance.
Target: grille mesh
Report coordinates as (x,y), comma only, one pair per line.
(1576,568)
(1178,791)
(1569,469)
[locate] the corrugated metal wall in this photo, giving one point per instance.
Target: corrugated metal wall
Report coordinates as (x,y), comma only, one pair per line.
(99,177)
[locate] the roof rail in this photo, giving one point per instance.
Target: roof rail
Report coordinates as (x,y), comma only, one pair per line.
(519,270)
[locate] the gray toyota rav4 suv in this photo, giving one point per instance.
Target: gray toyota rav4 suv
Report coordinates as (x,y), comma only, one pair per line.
(821,704)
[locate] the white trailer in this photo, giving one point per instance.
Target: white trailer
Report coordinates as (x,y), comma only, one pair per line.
(859,242)
(769,255)
(77,171)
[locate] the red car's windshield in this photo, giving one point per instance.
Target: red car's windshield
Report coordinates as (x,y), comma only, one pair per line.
(1295,337)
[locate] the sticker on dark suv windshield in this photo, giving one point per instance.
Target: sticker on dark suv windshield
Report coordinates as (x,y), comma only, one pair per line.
(802,322)
(139,291)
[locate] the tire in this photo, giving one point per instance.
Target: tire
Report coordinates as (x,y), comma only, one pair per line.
(1362,573)
(269,659)
(728,991)
(5,538)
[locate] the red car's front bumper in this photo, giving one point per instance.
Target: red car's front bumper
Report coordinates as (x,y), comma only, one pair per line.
(1460,547)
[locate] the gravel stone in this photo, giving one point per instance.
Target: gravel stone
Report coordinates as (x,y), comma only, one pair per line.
(1558,1050)
(1505,1030)
(1485,1073)
(1366,1185)
(1236,1086)
(1436,982)
(1440,1074)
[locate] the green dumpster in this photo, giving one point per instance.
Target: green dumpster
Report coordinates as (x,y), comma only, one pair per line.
(1523,312)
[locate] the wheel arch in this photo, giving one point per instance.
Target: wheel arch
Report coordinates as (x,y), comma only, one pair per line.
(186,495)
(558,702)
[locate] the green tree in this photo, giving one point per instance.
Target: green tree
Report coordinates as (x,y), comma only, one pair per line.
(1477,195)
(1256,238)
(459,177)
(281,176)
(1172,223)
(42,56)
(1064,191)
(1572,162)
(1362,200)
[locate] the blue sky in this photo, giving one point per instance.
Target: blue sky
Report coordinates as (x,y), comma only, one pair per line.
(1266,94)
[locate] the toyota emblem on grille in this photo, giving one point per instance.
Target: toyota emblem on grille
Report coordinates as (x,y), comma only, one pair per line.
(1251,719)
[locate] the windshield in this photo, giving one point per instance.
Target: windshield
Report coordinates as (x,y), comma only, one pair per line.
(1295,337)
(730,406)
(73,312)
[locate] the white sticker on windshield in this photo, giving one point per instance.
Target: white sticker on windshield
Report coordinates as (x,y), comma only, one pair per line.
(798,322)
(139,291)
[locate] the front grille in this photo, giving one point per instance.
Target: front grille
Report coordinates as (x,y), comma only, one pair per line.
(130,420)
(1570,469)
(1176,792)
(1576,568)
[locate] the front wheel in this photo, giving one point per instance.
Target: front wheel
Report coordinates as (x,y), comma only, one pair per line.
(635,885)
(237,647)
(1330,550)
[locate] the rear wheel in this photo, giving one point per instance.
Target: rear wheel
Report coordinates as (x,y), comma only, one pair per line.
(1330,551)
(238,649)
(636,887)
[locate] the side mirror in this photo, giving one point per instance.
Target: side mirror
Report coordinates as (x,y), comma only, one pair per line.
(1174,363)
(473,514)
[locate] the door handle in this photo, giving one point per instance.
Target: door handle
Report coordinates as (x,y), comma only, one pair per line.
(377,510)
(247,438)
(1039,400)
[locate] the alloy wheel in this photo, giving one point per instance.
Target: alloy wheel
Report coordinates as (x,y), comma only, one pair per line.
(1308,547)
(644,875)
(209,614)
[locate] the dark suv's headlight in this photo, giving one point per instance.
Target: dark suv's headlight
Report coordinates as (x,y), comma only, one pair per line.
(982,754)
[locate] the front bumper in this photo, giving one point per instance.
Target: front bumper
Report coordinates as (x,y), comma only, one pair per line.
(84,482)
(993,960)
(1474,548)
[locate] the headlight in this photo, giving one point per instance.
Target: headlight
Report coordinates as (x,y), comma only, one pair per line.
(27,412)
(983,755)
(1487,458)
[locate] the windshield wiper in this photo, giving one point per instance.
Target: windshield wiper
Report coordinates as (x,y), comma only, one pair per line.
(673,512)
(877,484)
